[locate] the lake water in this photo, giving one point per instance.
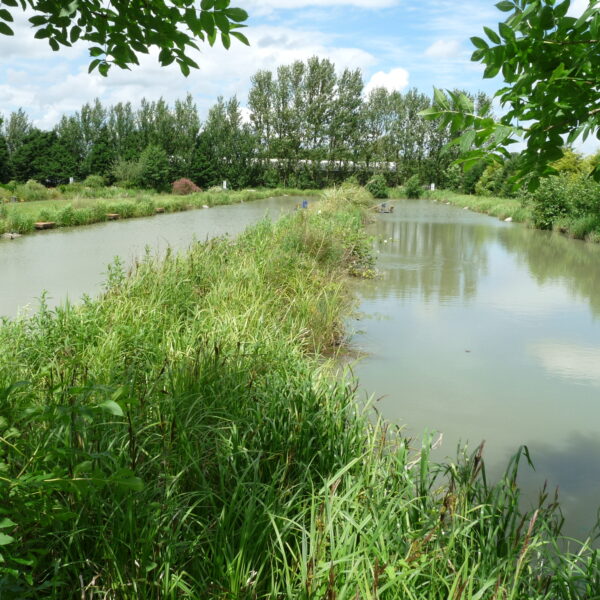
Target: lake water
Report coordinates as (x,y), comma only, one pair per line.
(70,262)
(485,330)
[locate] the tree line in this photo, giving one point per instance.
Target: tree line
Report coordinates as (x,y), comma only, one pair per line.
(308,126)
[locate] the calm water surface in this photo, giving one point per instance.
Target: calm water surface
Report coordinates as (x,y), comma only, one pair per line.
(68,263)
(485,330)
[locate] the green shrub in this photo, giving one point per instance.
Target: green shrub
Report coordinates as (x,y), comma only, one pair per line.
(94,181)
(412,187)
(32,191)
(564,196)
(155,170)
(377,186)
(127,173)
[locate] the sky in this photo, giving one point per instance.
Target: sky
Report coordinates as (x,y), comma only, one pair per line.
(398,44)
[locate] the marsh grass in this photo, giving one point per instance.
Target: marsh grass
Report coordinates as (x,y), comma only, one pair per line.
(93,205)
(181,437)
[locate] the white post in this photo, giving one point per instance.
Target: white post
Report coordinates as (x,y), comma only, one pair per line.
(224,184)
(432,187)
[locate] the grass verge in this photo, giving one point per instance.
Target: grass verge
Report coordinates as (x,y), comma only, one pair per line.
(70,212)
(181,437)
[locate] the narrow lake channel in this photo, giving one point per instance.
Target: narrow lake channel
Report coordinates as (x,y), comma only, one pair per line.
(70,262)
(485,330)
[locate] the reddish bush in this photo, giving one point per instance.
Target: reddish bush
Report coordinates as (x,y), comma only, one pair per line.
(184,186)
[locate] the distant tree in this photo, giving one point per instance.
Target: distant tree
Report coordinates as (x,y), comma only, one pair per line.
(5,169)
(119,30)
(155,170)
(42,157)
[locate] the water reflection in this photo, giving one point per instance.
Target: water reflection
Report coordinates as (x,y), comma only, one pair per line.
(435,260)
(489,332)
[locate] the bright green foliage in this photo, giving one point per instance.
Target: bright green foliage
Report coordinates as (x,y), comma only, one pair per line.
(413,188)
(94,181)
(155,170)
(564,197)
(549,62)
(119,30)
(377,186)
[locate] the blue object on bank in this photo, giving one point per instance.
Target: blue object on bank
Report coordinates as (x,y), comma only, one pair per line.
(304,203)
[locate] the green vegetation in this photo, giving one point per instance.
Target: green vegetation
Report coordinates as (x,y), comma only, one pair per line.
(118,31)
(83,206)
(490,205)
(377,187)
(546,60)
(412,187)
(182,437)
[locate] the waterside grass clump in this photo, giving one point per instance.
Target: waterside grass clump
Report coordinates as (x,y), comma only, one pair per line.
(182,437)
(95,206)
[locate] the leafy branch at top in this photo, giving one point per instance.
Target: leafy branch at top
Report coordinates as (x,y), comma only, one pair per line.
(119,30)
(551,66)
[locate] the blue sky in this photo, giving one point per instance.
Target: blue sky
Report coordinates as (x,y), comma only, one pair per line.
(396,43)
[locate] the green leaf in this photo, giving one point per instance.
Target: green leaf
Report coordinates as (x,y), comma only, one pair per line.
(492,35)
(5,15)
(240,36)
(109,405)
(491,71)
(74,34)
(236,14)
(505,6)
(547,18)
(6,522)
(38,20)
(42,33)
(6,539)
(5,29)
(103,68)
(479,43)
(226,40)
(506,32)
(94,64)
(561,10)
(207,4)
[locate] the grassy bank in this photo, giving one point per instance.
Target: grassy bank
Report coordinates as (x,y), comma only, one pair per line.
(94,208)
(585,227)
(502,208)
(181,437)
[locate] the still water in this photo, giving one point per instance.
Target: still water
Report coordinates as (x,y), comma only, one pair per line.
(68,263)
(485,330)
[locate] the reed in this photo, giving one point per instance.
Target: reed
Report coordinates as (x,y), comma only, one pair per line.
(183,437)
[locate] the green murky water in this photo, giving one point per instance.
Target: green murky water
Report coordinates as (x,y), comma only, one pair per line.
(484,330)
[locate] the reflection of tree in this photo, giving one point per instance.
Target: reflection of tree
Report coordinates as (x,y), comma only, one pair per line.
(552,257)
(435,259)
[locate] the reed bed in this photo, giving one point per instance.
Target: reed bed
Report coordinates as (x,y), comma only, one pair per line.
(94,207)
(182,437)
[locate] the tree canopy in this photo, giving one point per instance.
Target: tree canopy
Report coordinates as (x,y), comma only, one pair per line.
(551,67)
(119,30)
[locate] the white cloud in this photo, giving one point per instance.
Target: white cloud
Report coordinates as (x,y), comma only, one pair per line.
(396,79)
(62,85)
(263,7)
(443,49)
(577,7)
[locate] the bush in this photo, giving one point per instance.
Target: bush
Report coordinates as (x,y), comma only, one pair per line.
(377,186)
(155,168)
(32,191)
(127,173)
(94,181)
(183,187)
(550,202)
(412,187)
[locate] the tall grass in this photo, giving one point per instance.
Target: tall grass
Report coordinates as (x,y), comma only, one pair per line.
(94,205)
(181,437)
